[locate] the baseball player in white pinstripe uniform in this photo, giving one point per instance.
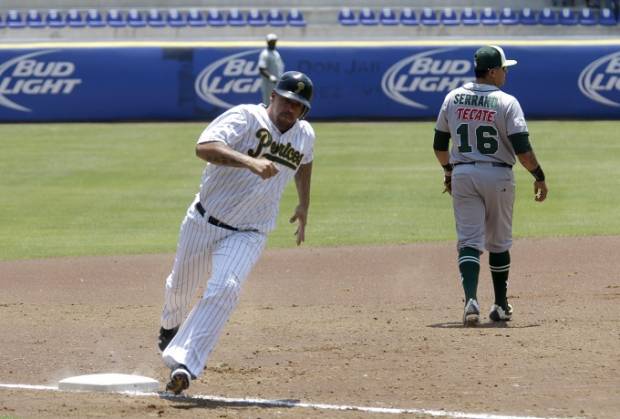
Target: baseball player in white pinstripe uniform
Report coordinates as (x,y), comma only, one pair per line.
(252,152)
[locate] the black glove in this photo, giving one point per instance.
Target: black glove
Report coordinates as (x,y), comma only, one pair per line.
(447,184)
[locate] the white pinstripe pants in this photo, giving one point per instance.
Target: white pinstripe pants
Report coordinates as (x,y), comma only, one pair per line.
(231,255)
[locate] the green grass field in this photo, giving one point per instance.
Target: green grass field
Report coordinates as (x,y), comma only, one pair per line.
(92,189)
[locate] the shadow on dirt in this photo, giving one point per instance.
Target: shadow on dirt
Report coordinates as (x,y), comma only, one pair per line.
(213,402)
(489,325)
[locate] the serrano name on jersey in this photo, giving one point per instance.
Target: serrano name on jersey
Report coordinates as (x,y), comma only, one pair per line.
(475,100)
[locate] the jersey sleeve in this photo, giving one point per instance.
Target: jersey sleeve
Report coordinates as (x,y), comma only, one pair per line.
(515,120)
(442,124)
(262,59)
(309,132)
(228,128)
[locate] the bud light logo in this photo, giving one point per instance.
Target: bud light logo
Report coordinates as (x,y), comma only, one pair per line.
(600,81)
(27,75)
(422,75)
(230,77)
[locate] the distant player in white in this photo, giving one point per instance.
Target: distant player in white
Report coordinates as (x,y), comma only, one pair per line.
(489,133)
(270,66)
(252,152)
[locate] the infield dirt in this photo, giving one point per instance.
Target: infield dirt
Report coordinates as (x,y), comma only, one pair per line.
(364,326)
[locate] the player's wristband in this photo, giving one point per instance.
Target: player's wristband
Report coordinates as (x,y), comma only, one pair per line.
(538,174)
(447,167)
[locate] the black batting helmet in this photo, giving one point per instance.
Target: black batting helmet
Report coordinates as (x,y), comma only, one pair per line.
(295,86)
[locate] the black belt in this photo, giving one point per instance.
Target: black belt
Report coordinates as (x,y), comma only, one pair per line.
(213,220)
(494,164)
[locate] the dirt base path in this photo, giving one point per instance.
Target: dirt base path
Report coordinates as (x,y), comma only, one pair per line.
(363,326)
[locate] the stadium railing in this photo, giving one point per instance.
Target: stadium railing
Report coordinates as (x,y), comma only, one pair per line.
(469,16)
(177,17)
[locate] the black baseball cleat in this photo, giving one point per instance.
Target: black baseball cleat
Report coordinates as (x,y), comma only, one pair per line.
(179,380)
(499,314)
(165,336)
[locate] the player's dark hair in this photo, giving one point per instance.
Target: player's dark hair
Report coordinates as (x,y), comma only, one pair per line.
(481,73)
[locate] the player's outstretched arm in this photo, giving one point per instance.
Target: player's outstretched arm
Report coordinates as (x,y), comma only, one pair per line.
(219,153)
(529,161)
(302,183)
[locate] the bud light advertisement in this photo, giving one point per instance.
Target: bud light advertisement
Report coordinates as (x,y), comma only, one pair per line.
(350,83)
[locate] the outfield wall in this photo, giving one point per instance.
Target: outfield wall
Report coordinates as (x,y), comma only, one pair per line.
(383,80)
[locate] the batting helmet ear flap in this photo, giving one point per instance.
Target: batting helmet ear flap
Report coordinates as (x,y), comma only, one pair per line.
(296,86)
(304,113)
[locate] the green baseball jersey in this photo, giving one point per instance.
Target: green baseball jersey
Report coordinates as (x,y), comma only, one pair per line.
(479,118)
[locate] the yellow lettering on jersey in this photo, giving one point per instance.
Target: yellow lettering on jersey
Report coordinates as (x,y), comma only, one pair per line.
(281,153)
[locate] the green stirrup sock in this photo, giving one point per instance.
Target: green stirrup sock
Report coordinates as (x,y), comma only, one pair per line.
(500,266)
(469,265)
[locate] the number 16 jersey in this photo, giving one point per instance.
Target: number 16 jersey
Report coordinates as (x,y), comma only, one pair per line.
(479,118)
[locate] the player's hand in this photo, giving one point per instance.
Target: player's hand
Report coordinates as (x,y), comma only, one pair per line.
(540,191)
(447,184)
(273,78)
(264,168)
(300,215)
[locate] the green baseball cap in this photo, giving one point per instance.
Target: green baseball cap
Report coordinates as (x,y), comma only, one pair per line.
(491,56)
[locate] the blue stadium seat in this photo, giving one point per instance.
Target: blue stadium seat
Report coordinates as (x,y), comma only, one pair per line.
(94,18)
(55,19)
(196,18)
(469,17)
(408,17)
(527,16)
(607,18)
(215,18)
(428,17)
(135,19)
(568,17)
(387,17)
(2,22)
(368,17)
(275,18)
(508,16)
(14,19)
(115,19)
(295,18)
(448,17)
(74,19)
(176,19)
(256,18)
(586,17)
(155,18)
(489,17)
(347,17)
(235,18)
(34,19)
(548,16)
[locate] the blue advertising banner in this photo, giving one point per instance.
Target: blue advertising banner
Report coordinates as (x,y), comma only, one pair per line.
(360,82)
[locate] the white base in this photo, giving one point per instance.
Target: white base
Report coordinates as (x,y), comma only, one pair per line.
(109,382)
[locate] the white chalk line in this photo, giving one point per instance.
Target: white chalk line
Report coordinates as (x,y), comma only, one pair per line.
(292,404)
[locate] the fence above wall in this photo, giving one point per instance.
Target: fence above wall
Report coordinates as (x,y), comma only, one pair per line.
(197,81)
